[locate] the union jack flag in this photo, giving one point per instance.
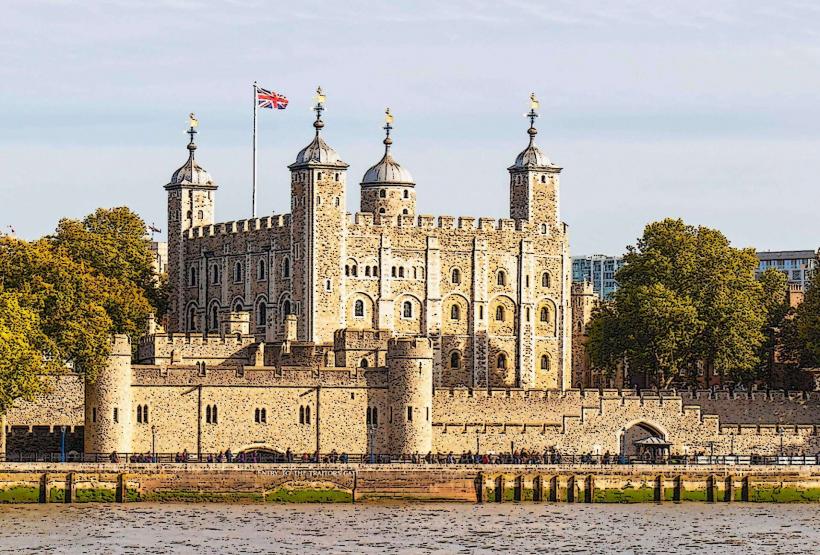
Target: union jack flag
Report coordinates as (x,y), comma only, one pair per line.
(270,99)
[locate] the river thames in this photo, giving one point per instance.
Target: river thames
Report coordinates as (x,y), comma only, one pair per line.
(410,528)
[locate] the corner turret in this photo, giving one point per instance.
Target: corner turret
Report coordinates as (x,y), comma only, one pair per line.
(108,410)
(410,385)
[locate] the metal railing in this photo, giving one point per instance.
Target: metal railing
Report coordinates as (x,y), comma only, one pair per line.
(268,457)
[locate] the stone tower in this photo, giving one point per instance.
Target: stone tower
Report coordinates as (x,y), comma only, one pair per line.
(410,386)
(191,194)
(583,301)
(534,184)
(108,411)
(318,221)
(387,188)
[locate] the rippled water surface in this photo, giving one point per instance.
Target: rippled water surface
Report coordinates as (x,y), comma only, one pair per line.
(410,528)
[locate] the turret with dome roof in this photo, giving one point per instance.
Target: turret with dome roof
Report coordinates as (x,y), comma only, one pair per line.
(387,188)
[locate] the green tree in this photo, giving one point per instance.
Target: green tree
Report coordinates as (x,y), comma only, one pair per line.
(21,351)
(709,305)
(774,302)
(808,321)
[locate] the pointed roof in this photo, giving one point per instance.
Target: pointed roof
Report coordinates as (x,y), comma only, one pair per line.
(191,173)
(318,152)
(532,157)
(387,171)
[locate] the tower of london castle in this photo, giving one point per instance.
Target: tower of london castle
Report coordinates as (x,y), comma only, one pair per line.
(383,331)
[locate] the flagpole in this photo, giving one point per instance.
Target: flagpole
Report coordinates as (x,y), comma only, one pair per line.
(253,194)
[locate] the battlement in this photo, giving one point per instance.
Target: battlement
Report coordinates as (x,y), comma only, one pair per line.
(467,223)
(241,226)
(257,376)
(410,347)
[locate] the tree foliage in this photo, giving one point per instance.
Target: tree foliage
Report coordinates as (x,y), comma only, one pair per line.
(21,344)
(91,279)
(686,299)
(808,321)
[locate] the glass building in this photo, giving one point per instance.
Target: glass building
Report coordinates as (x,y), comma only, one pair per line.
(599,270)
(796,265)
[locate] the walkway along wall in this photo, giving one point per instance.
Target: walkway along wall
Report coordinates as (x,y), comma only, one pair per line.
(78,483)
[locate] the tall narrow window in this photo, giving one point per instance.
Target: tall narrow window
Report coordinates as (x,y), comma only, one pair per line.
(94,414)
(499,313)
(545,279)
(455,312)
(145,414)
(285,308)
(307,415)
(358,309)
(406,193)
(192,279)
(192,319)
(455,276)
(286,268)
(261,314)
(301,415)
(369,418)
(363,363)
(261,270)
(545,362)
(238,274)
(382,193)
(407,309)
(214,415)
(208,414)
(367,271)
(501,279)
(139,414)
(409,414)
(455,360)
(401,271)
(214,317)
(256,416)
(545,314)
(502,361)
(116,415)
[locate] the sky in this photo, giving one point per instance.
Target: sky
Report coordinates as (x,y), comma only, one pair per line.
(703,110)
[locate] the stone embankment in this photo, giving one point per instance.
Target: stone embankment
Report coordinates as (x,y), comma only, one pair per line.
(125,483)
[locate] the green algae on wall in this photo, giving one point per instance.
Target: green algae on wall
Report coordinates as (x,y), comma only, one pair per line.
(20,494)
(95,495)
(284,495)
(780,494)
(627,494)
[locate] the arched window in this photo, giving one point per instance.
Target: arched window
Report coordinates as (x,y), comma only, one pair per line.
(238,274)
(369,416)
(208,414)
(367,271)
(543,179)
(375,419)
(502,361)
(363,363)
(406,193)
(405,211)
(214,317)
(139,414)
(415,273)
(214,274)
(528,314)
(499,313)
(382,193)
(261,313)
(358,309)
(307,415)
(286,268)
(257,417)
(545,279)
(545,362)
(501,279)
(192,319)
(238,306)
(192,276)
(407,309)
(455,276)
(401,271)
(347,270)
(145,414)
(381,210)
(261,270)
(543,229)
(211,414)
(455,360)
(354,270)
(375,271)
(301,415)
(285,308)
(545,314)
(455,312)
(393,271)
(264,416)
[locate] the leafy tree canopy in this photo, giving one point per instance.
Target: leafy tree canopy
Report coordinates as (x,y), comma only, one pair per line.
(686,298)
(91,279)
(808,320)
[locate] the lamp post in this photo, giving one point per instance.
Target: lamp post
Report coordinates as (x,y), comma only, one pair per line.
(623,443)
(782,432)
(62,444)
(154,443)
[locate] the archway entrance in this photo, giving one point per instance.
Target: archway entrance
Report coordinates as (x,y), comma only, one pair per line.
(644,442)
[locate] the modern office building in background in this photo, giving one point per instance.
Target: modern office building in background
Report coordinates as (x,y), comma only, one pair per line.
(599,270)
(796,265)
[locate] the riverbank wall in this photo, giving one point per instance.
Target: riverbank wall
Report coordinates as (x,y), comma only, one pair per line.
(129,483)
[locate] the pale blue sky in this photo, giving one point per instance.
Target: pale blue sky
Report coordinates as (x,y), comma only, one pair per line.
(705,110)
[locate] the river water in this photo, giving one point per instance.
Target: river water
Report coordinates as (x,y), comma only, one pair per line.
(410,528)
